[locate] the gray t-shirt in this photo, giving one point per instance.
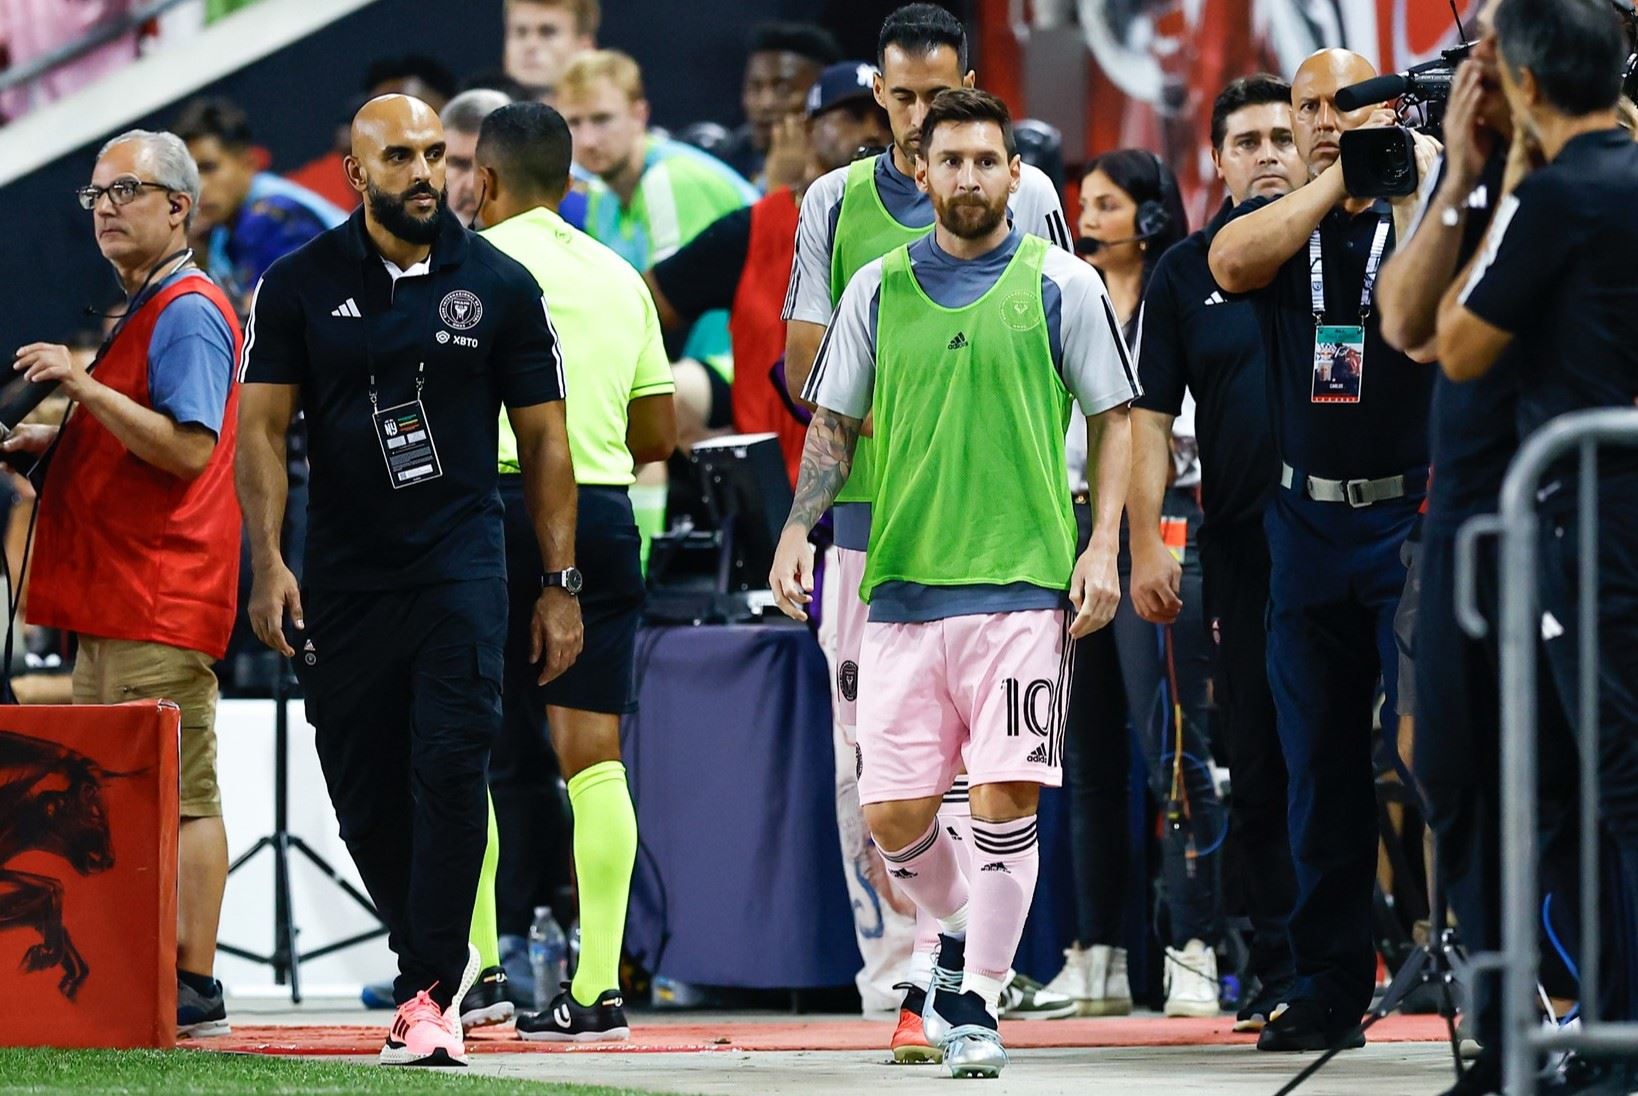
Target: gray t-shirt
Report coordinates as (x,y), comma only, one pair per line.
(1035,209)
(1087,350)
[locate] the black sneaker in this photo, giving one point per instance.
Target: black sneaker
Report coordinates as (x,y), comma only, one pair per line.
(1253,1015)
(488,1002)
(1307,1025)
(568,1021)
(200,1016)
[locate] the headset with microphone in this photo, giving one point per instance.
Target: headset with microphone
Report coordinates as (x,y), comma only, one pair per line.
(1153,216)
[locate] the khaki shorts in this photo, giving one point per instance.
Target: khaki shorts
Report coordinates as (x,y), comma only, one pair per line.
(113,671)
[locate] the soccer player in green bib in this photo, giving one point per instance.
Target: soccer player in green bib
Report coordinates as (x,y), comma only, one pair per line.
(850,217)
(967,349)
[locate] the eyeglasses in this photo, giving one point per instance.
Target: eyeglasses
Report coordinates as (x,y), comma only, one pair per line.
(120,192)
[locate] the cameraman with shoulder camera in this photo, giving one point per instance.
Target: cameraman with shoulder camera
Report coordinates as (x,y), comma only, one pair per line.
(1350,428)
(1556,277)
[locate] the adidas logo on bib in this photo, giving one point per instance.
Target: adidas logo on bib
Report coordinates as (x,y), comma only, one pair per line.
(959,342)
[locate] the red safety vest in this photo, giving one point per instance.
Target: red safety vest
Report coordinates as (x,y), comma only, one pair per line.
(758,332)
(124,550)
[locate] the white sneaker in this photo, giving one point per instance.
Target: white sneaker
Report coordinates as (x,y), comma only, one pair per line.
(1191,980)
(1111,991)
(1075,980)
(1095,979)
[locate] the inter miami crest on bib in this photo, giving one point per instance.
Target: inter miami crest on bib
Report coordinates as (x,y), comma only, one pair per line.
(847,679)
(460,309)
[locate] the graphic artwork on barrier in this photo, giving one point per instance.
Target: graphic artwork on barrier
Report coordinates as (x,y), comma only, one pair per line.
(50,801)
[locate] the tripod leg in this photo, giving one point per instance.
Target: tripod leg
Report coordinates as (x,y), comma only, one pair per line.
(1414,972)
(335,877)
(285,959)
(249,854)
(1447,1009)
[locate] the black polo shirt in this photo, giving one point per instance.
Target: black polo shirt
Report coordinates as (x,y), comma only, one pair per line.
(322,315)
(1195,337)
(1473,430)
(1386,432)
(1561,274)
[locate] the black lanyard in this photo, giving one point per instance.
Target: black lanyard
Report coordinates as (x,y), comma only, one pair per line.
(426,333)
(145,293)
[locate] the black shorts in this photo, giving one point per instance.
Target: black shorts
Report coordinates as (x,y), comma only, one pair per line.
(607,549)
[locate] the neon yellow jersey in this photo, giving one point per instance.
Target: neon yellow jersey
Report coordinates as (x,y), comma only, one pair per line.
(609,333)
(682,192)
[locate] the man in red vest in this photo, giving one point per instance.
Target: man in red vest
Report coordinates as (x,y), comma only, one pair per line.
(743,261)
(137,549)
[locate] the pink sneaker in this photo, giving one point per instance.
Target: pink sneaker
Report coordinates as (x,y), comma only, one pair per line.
(423,1034)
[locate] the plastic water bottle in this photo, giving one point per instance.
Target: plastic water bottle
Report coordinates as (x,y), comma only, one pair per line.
(547,952)
(574,948)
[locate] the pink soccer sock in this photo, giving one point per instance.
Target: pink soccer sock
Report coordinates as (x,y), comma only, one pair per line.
(928,871)
(1006,861)
(955,815)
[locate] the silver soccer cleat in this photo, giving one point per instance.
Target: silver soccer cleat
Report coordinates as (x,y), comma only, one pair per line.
(936,1027)
(973,1051)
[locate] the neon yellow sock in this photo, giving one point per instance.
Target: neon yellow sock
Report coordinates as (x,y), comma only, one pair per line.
(483,934)
(605,848)
(648,510)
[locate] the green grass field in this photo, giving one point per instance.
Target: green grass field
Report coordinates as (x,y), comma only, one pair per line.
(196,1073)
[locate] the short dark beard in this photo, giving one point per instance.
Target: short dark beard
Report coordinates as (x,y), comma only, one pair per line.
(392,213)
(950,216)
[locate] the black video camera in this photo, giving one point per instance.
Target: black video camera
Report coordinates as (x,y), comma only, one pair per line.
(1381,163)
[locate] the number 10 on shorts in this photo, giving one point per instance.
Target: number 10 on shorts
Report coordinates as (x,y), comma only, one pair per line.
(1029,704)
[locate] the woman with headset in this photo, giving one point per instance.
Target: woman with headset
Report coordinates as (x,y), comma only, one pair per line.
(1137,675)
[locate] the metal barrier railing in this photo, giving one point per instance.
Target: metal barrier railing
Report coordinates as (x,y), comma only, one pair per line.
(1519,527)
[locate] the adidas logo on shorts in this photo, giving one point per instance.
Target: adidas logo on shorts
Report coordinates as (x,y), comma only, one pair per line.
(996,865)
(1038,755)
(959,342)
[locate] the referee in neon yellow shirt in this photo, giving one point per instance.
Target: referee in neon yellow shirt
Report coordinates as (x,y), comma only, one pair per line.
(620,413)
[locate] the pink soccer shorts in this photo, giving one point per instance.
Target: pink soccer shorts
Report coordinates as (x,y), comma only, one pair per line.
(851,613)
(987,691)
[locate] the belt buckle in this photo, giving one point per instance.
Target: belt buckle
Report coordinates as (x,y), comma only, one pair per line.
(1353,492)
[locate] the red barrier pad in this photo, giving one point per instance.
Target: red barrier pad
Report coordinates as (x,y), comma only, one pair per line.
(88,802)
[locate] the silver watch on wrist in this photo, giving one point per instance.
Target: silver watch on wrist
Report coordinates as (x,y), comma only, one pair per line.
(568,580)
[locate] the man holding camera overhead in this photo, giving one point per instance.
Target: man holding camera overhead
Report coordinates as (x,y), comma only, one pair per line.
(1353,449)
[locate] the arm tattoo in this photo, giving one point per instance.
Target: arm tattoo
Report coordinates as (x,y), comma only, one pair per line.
(827,458)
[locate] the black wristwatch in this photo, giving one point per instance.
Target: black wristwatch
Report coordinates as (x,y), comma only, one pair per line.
(569,579)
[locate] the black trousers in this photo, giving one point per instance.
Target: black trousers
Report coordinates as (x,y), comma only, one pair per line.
(1120,692)
(1235,570)
(531,806)
(1458,767)
(403,691)
(1333,590)
(1617,740)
